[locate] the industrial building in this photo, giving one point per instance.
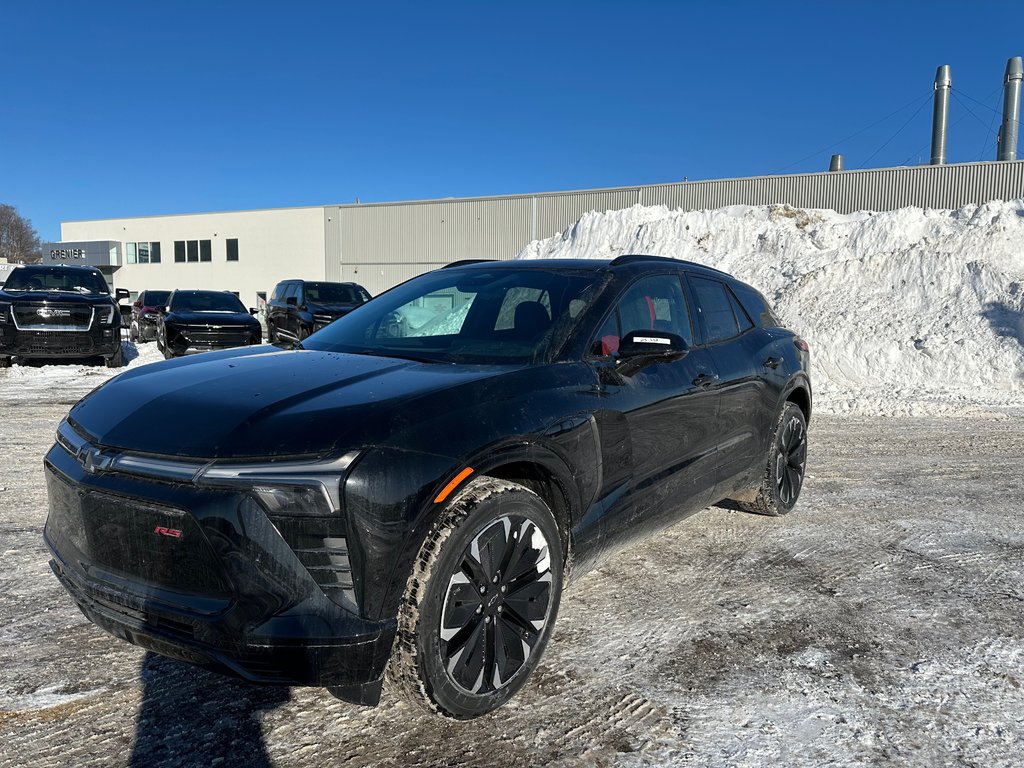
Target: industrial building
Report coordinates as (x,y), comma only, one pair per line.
(381,244)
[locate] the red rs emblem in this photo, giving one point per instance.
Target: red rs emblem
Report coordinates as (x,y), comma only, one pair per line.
(173,533)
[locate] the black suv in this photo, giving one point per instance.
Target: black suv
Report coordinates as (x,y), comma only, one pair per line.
(197,321)
(59,312)
(297,308)
(410,488)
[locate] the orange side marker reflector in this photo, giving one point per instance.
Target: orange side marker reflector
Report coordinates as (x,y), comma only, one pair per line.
(446,491)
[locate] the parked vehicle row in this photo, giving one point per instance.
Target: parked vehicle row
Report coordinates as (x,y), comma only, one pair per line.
(409,489)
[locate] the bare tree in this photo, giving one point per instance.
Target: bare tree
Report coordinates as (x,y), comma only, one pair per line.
(19,241)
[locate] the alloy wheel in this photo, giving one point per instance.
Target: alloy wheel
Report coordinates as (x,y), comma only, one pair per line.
(496,606)
(790,460)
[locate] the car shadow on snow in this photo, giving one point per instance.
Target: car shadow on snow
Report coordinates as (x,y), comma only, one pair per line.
(189,716)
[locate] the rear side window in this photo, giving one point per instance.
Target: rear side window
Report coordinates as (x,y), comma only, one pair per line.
(278,292)
(756,306)
(715,308)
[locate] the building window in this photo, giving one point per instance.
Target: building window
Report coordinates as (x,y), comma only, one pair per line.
(142,253)
(232,244)
(190,250)
(192,247)
(179,250)
(205,252)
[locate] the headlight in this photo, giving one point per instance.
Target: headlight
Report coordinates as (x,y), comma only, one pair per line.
(150,316)
(286,487)
(106,314)
(5,312)
(323,319)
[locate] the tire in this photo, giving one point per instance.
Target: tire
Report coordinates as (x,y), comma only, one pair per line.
(461,613)
(271,333)
(5,362)
(785,466)
(116,360)
(168,355)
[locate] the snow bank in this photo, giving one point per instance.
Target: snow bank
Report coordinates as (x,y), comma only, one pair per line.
(908,311)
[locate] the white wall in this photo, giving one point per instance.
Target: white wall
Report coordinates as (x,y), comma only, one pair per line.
(273,245)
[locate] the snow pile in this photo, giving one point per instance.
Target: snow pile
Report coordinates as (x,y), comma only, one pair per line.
(908,311)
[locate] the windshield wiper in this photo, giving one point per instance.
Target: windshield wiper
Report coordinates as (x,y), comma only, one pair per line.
(395,354)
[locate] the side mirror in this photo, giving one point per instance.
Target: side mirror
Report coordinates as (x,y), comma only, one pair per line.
(122,293)
(253,311)
(291,301)
(164,310)
(638,349)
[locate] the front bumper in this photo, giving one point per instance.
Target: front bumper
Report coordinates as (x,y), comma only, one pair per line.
(184,340)
(102,340)
(204,576)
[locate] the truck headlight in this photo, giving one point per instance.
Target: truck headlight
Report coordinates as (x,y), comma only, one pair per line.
(105,314)
(5,312)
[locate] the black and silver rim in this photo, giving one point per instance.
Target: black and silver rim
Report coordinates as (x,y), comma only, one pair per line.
(496,606)
(790,460)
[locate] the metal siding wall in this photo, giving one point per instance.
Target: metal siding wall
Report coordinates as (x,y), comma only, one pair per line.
(332,243)
(381,245)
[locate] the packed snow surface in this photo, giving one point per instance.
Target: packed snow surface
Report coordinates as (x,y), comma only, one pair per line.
(908,311)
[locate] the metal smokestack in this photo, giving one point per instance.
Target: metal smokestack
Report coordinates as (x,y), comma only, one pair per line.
(940,114)
(836,164)
(1007,146)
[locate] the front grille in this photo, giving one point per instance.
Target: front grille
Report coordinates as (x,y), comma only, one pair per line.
(52,317)
(215,337)
(52,343)
(320,545)
(158,545)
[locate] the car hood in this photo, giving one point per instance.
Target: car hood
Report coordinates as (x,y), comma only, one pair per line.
(263,402)
(211,318)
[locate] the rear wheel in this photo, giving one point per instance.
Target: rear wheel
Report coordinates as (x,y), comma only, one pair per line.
(786,464)
(5,362)
(481,603)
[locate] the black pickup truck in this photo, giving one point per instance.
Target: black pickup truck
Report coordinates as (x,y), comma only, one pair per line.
(59,312)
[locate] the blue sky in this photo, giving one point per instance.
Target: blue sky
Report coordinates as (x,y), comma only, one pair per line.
(122,109)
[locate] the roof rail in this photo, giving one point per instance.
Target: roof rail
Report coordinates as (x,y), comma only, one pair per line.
(464,262)
(632,257)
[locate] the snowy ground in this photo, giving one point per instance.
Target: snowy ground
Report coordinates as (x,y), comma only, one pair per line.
(878,624)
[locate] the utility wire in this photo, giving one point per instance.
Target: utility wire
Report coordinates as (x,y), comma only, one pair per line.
(898,132)
(969,110)
(981,155)
(851,136)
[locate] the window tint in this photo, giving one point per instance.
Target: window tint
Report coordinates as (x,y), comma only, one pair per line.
(715,308)
(290,291)
(512,307)
(654,303)
(278,292)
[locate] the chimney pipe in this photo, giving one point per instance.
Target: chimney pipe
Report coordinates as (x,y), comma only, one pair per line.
(1007,145)
(836,163)
(940,114)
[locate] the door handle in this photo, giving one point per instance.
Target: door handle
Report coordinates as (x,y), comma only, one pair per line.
(772,362)
(705,380)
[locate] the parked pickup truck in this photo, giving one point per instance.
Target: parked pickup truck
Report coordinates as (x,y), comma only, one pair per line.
(59,312)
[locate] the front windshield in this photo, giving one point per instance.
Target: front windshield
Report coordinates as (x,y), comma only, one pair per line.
(466,315)
(205,301)
(155,298)
(335,293)
(57,279)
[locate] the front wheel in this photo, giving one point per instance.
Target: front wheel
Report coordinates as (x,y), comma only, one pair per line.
(787,462)
(481,602)
(116,360)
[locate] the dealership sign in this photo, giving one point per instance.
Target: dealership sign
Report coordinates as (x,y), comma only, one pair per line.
(67,253)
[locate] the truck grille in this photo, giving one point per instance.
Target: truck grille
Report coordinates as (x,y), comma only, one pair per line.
(215,337)
(53,343)
(52,317)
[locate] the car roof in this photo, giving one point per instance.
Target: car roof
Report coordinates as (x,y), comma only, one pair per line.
(73,267)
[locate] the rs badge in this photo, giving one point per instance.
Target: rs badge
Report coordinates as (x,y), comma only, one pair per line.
(172,533)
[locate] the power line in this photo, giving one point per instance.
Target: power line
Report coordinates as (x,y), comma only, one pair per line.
(898,132)
(851,136)
(981,155)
